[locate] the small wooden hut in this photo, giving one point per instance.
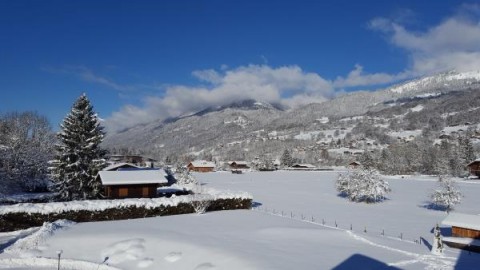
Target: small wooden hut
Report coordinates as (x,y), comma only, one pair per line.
(132,183)
(474,167)
(201,166)
(465,231)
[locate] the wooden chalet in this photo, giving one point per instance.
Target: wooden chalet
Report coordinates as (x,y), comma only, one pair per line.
(238,165)
(303,166)
(465,231)
(354,165)
(132,183)
(201,166)
(474,167)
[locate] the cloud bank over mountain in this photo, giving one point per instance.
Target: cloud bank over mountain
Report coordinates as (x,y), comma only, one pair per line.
(452,44)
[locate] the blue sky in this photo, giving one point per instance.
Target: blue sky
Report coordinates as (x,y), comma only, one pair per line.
(144,60)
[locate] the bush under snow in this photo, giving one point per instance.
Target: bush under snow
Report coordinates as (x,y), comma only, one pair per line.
(362,185)
(447,195)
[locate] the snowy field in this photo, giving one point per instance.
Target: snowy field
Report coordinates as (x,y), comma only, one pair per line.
(291,227)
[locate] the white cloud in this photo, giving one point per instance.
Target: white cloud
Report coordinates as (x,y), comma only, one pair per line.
(88,75)
(357,77)
(452,44)
(289,85)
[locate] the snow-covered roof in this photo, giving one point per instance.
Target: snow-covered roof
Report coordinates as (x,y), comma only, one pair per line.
(238,162)
(462,220)
(203,163)
(132,177)
(303,165)
(115,166)
(475,161)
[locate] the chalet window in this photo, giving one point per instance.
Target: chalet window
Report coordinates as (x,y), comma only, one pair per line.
(122,192)
(145,192)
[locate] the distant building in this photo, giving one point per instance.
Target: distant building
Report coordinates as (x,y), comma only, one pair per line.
(354,164)
(303,166)
(132,183)
(474,167)
(238,165)
(201,166)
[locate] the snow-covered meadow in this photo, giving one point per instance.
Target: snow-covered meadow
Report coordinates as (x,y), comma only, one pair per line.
(291,227)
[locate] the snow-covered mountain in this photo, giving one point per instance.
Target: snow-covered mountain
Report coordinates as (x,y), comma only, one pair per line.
(244,129)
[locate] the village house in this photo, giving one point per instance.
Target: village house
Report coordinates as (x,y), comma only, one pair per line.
(303,166)
(132,183)
(465,231)
(201,166)
(238,165)
(474,167)
(354,165)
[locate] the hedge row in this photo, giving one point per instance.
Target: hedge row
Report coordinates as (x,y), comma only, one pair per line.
(18,221)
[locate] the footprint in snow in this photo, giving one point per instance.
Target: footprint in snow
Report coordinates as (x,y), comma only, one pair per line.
(146,262)
(205,266)
(173,257)
(132,249)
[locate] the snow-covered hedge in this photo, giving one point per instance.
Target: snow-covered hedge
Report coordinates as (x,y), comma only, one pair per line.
(25,215)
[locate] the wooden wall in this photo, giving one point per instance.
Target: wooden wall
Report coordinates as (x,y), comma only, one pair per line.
(200,169)
(131,191)
(462,232)
(475,168)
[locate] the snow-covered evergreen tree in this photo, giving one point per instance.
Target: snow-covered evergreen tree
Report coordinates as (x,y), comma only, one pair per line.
(184,177)
(78,154)
(286,159)
(362,185)
(265,163)
(447,195)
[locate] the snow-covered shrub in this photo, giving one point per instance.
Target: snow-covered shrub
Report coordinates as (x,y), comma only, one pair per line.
(184,178)
(362,185)
(200,205)
(447,195)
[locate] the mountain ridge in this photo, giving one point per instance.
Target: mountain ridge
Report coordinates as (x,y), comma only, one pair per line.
(249,123)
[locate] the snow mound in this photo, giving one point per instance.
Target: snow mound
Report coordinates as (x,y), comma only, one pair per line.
(49,263)
(101,205)
(33,244)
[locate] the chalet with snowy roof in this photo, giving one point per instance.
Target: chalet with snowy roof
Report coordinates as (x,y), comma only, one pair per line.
(303,166)
(474,167)
(238,165)
(465,231)
(201,166)
(132,183)
(121,167)
(354,165)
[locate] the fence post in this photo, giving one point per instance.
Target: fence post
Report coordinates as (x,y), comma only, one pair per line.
(336,225)
(401,236)
(365,230)
(351,227)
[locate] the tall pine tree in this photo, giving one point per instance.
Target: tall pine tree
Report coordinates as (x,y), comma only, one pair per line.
(78,154)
